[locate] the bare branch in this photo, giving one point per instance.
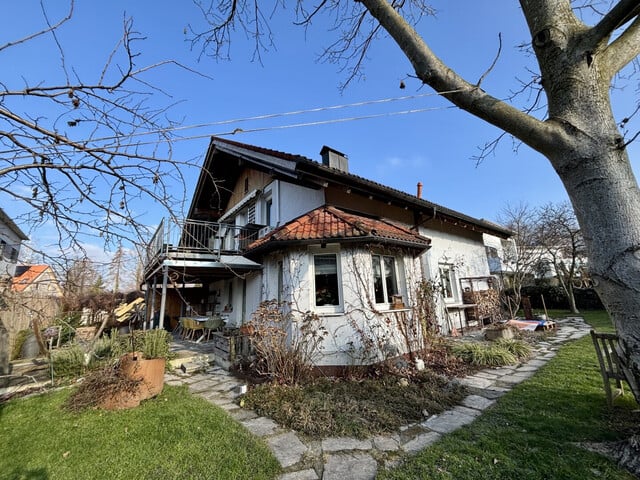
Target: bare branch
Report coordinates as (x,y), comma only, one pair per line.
(621,13)
(623,49)
(49,29)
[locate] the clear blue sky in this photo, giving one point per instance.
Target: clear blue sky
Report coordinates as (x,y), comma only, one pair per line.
(434,147)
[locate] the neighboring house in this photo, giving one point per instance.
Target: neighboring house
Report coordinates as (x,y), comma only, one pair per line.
(36,280)
(34,294)
(11,238)
(264,225)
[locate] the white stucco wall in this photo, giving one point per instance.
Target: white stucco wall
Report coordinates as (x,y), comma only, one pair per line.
(465,252)
(359,329)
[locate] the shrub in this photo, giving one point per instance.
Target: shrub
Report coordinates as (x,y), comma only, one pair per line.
(21,336)
(68,361)
(155,343)
(521,350)
(484,355)
(282,353)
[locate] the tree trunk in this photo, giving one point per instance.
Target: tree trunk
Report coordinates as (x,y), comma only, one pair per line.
(579,137)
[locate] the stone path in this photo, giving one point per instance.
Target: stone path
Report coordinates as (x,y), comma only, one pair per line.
(342,458)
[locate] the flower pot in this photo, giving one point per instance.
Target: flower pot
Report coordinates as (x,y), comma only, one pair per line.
(150,372)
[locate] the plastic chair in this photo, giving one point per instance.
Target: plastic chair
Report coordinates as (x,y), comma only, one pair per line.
(212,325)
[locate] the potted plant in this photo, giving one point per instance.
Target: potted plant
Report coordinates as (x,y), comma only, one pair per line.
(144,366)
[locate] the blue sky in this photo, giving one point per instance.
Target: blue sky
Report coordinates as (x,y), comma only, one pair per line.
(435,147)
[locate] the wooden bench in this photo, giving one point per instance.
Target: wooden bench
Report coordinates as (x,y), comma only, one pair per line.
(610,368)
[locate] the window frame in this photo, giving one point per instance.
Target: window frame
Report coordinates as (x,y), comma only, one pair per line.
(339,307)
(451,279)
(386,296)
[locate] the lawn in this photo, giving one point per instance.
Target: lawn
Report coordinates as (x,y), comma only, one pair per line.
(175,435)
(533,431)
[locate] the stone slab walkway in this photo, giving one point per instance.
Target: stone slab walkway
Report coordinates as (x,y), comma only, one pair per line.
(354,459)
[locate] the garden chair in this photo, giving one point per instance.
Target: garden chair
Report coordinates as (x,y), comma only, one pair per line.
(605,345)
(212,325)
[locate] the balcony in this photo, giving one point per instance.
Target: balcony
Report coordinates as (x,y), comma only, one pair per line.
(197,239)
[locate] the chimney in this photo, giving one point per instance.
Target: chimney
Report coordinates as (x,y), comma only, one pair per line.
(419,193)
(334,159)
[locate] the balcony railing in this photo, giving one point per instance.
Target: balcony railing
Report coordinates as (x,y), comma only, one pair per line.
(193,236)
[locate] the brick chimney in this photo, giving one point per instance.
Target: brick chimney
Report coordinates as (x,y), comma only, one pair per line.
(419,192)
(334,159)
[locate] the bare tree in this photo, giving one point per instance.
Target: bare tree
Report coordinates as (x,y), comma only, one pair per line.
(579,136)
(558,233)
(521,254)
(80,153)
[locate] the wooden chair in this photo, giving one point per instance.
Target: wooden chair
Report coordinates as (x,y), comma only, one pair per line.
(605,345)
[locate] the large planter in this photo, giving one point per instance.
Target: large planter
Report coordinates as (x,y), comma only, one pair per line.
(496,333)
(148,372)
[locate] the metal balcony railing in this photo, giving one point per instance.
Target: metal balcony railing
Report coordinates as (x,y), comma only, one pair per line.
(194,236)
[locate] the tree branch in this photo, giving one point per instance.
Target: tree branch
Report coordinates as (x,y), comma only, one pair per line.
(541,136)
(624,49)
(624,11)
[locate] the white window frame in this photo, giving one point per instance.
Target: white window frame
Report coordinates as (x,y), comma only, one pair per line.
(326,309)
(451,278)
(397,266)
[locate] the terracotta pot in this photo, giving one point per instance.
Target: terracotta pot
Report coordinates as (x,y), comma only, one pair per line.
(149,371)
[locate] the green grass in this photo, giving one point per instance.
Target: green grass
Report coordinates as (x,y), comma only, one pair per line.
(172,436)
(532,432)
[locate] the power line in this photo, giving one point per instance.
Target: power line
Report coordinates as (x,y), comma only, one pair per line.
(263,129)
(246,119)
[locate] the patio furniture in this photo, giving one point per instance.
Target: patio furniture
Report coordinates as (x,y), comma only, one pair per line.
(213,324)
(605,345)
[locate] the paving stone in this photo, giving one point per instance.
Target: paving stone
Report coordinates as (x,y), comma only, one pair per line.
(352,466)
(308,474)
(511,379)
(501,371)
(483,374)
(242,414)
(386,443)
(421,442)
(477,382)
(260,426)
(477,402)
(526,368)
(463,410)
(287,448)
(448,421)
(336,444)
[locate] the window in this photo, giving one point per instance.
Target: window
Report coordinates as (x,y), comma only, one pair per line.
(385,283)
(447,279)
(326,279)
(268,207)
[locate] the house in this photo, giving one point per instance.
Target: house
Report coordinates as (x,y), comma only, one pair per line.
(11,238)
(265,225)
(36,281)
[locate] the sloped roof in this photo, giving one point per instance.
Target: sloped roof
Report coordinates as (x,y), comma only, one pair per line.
(305,170)
(4,218)
(27,275)
(328,224)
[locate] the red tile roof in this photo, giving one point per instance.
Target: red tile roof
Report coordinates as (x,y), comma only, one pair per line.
(327,223)
(27,277)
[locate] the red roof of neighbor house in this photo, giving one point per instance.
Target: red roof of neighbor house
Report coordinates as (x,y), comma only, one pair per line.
(27,277)
(329,223)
